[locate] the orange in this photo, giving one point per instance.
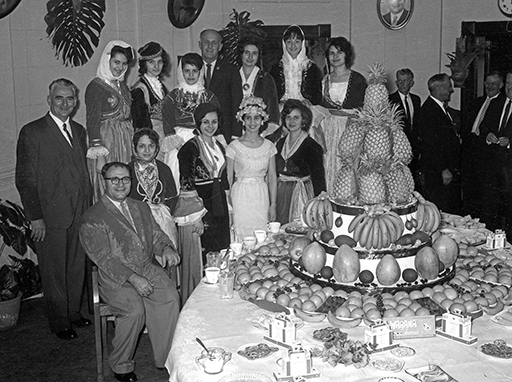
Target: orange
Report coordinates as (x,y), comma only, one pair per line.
(390,313)
(407,313)
(471,306)
(283,299)
(295,302)
(262,292)
(264,250)
(357,313)
(342,311)
(308,306)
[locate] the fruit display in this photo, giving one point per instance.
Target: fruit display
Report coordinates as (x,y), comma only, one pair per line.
(317,213)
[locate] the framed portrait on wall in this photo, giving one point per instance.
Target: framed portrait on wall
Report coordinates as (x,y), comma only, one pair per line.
(7,6)
(395,14)
(182,13)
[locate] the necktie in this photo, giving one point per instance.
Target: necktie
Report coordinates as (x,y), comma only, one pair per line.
(126,213)
(208,75)
(505,116)
(448,114)
(407,110)
(483,110)
(394,20)
(68,134)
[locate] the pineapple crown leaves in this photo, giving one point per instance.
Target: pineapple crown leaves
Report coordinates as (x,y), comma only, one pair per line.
(238,28)
(377,74)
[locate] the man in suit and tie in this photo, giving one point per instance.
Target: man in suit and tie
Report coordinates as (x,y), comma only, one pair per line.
(440,147)
(409,104)
(121,237)
(497,132)
(53,183)
(219,79)
(476,161)
(397,14)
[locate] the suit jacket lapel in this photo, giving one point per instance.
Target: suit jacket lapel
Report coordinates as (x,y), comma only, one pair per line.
(137,219)
(122,220)
(57,134)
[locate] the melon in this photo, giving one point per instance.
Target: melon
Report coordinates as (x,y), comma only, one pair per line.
(314,258)
(297,245)
(388,271)
(447,250)
(346,265)
(427,263)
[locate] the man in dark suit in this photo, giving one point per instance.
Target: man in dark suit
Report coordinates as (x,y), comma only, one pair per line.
(497,132)
(476,157)
(53,182)
(409,104)
(397,14)
(121,236)
(219,79)
(440,147)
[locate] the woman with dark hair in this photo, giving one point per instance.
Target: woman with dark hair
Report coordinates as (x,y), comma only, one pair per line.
(108,115)
(343,91)
(295,75)
(251,171)
(255,81)
(299,163)
(178,109)
(148,92)
(153,183)
(204,183)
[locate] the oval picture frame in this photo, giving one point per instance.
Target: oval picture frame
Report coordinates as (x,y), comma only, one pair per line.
(7,6)
(385,14)
(183,13)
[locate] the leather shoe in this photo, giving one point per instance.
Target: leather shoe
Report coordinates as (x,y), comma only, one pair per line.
(82,322)
(126,377)
(67,334)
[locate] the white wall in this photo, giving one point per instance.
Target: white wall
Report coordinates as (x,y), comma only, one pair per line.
(28,63)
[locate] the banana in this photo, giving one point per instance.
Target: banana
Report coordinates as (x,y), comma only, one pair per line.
(420,214)
(345,323)
(436,215)
(329,213)
(366,231)
(313,216)
(398,223)
(306,214)
(384,233)
(309,317)
(359,227)
(371,232)
(353,224)
(391,230)
(320,215)
(498,307)
(376,233)
(431,218)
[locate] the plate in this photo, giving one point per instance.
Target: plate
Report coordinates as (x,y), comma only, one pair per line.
(504,318)
(209,283)
(262,323)
(256,351)
(403,351)
(387,364)
(497,350)
(245,377)
(391,379)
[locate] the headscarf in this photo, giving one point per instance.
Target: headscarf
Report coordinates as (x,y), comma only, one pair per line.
(149,51)
(182,84)
(103,71)
(293,67)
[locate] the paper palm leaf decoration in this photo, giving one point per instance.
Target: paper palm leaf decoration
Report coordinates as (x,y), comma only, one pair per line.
(238,28)
(74,26)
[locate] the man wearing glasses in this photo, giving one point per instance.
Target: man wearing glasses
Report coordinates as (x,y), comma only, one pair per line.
(121,237)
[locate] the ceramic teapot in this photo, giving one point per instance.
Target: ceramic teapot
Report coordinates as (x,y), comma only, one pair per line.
(213,360)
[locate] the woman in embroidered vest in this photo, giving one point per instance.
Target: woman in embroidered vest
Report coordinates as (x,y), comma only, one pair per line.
(343,91)
(299,163)
(108,117)
(153,183)
(295,75)
(203,178)
(251,170)
(255,81)
(178,109)
(148,92)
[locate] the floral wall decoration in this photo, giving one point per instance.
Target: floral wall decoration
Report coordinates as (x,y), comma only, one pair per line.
(74,27)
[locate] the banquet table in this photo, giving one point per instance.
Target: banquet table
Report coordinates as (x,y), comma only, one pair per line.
(227,324)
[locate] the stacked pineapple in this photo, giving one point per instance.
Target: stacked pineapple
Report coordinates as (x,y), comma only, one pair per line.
(374,151)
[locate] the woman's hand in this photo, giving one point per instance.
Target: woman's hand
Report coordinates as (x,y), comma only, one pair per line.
(100,162)
(272,212)
(198,228)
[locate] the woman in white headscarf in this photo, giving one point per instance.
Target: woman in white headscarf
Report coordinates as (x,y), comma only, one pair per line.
(108,117)
(178,109)
(295,75)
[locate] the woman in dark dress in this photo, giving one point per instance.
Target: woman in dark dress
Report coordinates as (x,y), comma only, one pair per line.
(204,183)
(299,163)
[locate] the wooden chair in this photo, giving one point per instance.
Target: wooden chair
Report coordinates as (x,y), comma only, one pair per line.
(102,314)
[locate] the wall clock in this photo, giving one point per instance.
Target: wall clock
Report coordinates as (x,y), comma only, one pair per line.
(505,7)
(182,13)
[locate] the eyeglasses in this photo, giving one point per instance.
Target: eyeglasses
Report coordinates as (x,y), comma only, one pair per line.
(115,180)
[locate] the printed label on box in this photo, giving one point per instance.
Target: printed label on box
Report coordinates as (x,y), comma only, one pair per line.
(412,327)
(456,325)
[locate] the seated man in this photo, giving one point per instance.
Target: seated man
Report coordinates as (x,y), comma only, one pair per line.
(121,236)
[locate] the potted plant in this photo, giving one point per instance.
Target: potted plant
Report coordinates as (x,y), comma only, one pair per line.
(462,58)
(18,276)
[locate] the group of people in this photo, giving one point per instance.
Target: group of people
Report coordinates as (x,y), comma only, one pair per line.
(172,175)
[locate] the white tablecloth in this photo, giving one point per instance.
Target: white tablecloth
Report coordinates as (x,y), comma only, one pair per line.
(227,324)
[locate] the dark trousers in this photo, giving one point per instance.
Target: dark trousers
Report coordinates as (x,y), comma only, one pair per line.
(497,198)
(62,266)
(446,197)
